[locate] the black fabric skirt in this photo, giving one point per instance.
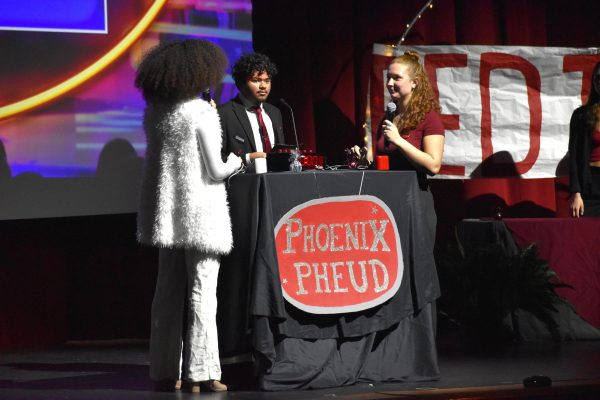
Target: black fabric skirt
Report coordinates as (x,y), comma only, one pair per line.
(404,352)
(591,202)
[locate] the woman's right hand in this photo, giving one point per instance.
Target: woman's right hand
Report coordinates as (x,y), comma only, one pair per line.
(361,155)
(576,205)
(357,150)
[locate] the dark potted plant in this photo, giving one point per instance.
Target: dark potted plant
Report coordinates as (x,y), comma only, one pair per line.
(483,287)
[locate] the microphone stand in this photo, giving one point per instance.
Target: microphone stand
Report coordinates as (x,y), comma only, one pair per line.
(295,165)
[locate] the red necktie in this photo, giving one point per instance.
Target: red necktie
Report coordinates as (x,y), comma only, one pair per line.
(264,134)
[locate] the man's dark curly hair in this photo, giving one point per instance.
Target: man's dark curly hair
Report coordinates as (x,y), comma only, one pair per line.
(180,70)
(248,64)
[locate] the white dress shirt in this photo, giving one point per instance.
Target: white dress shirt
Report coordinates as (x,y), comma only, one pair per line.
(254,124)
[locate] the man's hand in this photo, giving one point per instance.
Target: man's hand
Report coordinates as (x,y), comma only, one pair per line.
(257,154)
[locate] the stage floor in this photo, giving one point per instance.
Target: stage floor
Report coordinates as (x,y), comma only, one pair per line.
(119,371)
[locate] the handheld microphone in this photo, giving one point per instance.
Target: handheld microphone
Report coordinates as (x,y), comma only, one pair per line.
(293,122)
(206,96)
(390,109)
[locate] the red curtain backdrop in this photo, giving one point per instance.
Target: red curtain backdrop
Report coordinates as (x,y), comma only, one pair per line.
(85,278)
(323,52)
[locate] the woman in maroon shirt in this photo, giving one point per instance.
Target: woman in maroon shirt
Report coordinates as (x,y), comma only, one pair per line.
(414,138)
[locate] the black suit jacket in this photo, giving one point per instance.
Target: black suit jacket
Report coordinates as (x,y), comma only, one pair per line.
(237,131)
(580,147)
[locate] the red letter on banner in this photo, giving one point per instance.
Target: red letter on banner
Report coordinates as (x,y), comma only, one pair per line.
(584,63)
(451,121)
(489,62)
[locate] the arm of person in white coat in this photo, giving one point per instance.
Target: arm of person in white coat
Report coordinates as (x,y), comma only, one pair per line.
(205,119)
(216,168)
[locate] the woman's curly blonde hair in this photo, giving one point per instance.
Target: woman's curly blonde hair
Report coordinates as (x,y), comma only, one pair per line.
(422,100)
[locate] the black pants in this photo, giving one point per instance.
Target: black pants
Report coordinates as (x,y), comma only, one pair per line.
(591,201)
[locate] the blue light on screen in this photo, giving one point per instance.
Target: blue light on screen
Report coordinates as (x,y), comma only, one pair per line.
(85,16)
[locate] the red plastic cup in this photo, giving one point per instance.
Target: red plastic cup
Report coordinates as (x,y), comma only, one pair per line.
(382,163)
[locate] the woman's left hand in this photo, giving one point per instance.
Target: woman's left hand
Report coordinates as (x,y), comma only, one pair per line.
(391,131)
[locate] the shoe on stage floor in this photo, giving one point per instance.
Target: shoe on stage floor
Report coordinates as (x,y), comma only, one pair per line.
(211,385)
(190,387)
(214,386)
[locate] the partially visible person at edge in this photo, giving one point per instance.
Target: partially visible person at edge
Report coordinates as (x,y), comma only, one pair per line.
(246,116)
(584,154)
(183,210)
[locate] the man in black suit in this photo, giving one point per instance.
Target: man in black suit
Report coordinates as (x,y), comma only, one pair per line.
(251,126)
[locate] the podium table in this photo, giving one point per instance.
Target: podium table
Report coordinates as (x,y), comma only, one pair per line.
(393,341)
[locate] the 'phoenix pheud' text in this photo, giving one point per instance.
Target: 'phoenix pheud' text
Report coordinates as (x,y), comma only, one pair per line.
(334,276)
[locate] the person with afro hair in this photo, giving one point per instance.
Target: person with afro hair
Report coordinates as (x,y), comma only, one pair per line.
(183,210)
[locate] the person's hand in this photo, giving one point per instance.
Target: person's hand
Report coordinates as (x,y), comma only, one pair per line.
(213,104)
(390,131)
(257,154)
(576,205)
(360,152)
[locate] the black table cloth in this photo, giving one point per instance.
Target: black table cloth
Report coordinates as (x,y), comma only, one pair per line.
(296,349)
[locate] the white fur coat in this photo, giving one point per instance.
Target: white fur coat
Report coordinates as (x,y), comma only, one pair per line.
(183,200)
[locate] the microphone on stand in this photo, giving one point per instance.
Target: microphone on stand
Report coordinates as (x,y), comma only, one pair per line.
(293,122)
(390,109)
(206,96)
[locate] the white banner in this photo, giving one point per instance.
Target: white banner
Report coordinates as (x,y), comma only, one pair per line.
(506,109)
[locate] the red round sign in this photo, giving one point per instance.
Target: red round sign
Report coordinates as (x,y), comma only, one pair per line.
(339,254)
